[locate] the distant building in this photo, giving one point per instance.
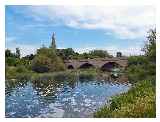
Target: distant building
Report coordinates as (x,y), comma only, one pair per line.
(53,43)
(119,54)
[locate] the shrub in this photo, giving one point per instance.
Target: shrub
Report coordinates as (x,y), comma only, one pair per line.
(139,101)
(21,69)
(10,72)
(46,60)
(11,61)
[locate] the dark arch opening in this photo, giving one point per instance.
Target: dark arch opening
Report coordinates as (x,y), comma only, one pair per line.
(109,66)
(86,66)
(70,67)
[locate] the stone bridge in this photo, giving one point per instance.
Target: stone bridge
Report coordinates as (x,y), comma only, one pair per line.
(102,63)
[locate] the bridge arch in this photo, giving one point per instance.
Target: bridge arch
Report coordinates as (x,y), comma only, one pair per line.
(86,66)
(109,66)
(70,67)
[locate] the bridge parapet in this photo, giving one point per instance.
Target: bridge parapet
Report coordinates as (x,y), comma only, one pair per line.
(98,63)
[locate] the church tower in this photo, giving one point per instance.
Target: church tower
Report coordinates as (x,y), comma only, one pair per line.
(53,43)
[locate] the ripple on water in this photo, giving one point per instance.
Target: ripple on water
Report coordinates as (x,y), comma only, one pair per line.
(35,101)
(80,101)
(57,113)
(12,113)
(65,99)
(87,102)
(51,105)
(73,102)
(57,104)
(76,110)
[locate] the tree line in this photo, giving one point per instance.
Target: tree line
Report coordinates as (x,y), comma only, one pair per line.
(48,59)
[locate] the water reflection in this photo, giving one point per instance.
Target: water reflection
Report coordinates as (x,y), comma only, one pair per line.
(60,98)
(11,85)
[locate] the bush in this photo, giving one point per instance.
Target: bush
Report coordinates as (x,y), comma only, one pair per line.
(21,69)
(40,64)
(140,68)
(46,60)
(88,74)
(140,101)
(19,72)
(10,72)
(11,61)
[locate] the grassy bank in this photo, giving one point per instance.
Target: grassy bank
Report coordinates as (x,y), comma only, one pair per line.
(139,101)
(21,73)
(13,74)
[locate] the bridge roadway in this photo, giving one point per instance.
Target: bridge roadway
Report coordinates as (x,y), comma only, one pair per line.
(121,62)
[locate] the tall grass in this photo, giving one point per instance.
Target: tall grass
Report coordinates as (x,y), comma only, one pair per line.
(139,101)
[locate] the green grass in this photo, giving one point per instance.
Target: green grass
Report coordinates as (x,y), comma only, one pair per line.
(21,73)
(69,76)
(139,101)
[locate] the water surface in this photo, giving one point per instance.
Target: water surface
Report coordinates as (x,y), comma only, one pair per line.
(77,99)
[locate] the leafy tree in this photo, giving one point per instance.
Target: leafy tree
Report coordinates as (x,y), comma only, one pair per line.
(46,60)
(10,58)
(11,61)
(21,69)
(137,60)
(150,53)
(99,53)
(18,53)
(119,54)
(8,53)
(66,53)
(150,47)
(40,64)
(144,67)
(86,55)
(69,53)
(29,57)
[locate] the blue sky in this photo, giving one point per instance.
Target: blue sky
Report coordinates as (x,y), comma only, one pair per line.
(82,28)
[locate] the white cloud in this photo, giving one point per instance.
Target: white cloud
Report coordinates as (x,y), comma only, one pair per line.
(128,51)
(25,49)
(124,21)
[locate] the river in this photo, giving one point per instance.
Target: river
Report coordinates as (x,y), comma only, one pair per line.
(64,99)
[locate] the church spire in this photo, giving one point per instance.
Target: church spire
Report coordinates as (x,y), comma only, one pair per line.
(53,44)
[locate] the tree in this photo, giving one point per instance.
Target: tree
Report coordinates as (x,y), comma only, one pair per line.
(8,53)
(99,53)
(10,58)
(150,53)
(29,57)
(144,66)
(66,54)
(18,53)
(150,46)
(46,60)
(119,54)
(11,61)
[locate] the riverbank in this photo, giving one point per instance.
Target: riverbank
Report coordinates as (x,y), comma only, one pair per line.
(14,74)
(62,99)
(139,101)
(19,74)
